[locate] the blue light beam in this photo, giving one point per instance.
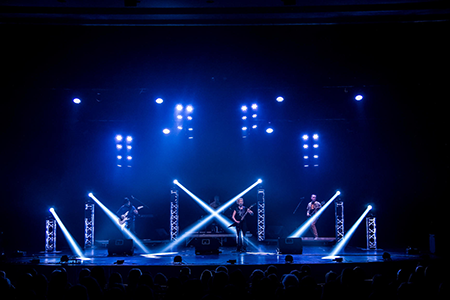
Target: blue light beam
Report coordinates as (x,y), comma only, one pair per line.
(72,243)
(301,230)
(203,221)
(115,219)
(348,236)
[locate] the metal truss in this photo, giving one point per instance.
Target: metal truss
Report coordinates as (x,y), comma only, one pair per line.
(174,228)
(89,210)
(50,234)
(371,228)
(261,215)
(339,214)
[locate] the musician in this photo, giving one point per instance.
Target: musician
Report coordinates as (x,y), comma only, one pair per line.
(127,214)
(238,216)
(312,207)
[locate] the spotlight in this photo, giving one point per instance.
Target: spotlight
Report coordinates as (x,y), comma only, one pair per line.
(128,147)
(189,118)
(305,146)
(254,106)
(359,97)
(244,108)
(315,137)
(129,139)
(305,137)
(119,156)
(129,157)
(305,157)
(159,100)
(280,99)
(190,129)
(189,108)
(119,138)
(244,118)
(76,100)
(175,181)
(316,156)
(166,131)
(244,128)
(269,130)
(254,116)
(315,146)
(180,127)
(179,107)
(179,117)
(119,146)
(254,126)
(72,243)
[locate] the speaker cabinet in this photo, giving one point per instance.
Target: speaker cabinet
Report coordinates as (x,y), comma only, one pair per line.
(287,245)
(120,247)
(206,246)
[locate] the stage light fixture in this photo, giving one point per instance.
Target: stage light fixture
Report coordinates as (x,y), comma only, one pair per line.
(244,128)
(129,157)
(244,108)
(305,137)
(316,146)
(119,147)
(76,100)
(315,136)
(115,219)
(119,156)
(179,107)
(348,235)
(129,139)
(190,129)
(359,97)
(301,230)
(72,243)
(119,138)
(254,116)
(166,131)
(159,100)
(305,157)
(269,130)
(129,147)
(205,220)
(316,156)
(189,108)
(254,106)
(305,146)
(280,99)
(179,117)
(254,126)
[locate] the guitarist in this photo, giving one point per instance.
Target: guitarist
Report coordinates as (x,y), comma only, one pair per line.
(127,214)
(238,216)
(311,209)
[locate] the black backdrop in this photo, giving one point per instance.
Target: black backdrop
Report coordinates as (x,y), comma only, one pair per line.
(389,150)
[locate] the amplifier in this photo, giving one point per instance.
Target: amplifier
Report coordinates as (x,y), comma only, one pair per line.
(287,245)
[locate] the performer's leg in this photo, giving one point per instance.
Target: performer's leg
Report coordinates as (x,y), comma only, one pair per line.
(314,229)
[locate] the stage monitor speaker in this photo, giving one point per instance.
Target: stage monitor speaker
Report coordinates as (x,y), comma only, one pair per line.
(206,246)
(287,245)
(120,247)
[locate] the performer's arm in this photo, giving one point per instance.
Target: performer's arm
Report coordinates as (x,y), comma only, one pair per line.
(233,217)
(308,208)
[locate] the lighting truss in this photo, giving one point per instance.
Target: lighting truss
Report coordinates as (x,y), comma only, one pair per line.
(174,217)
(301,230)
(339,218)
(261,215)
(89,210)
(371,229)
(72,243)
(213,213)
(50,234)
(115,219)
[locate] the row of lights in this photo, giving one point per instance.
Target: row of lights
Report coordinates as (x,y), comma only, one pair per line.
(123,148)
(310,150)
(183,120)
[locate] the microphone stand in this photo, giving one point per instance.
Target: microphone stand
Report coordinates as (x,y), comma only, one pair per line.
(298,205)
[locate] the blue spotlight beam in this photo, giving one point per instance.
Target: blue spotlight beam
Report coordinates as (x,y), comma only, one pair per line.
(349,234)
(204,221)
(72,243)
(115,219)
(301,230)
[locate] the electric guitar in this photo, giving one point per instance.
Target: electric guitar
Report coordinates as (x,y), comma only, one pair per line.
(234,224)
(124,218)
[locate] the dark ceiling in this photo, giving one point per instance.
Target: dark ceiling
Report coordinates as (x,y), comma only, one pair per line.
(220,12)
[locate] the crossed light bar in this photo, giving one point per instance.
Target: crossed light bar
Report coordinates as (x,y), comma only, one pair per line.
(72,243)
(115,219)
(214,213)
(301,230)
(348,236)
